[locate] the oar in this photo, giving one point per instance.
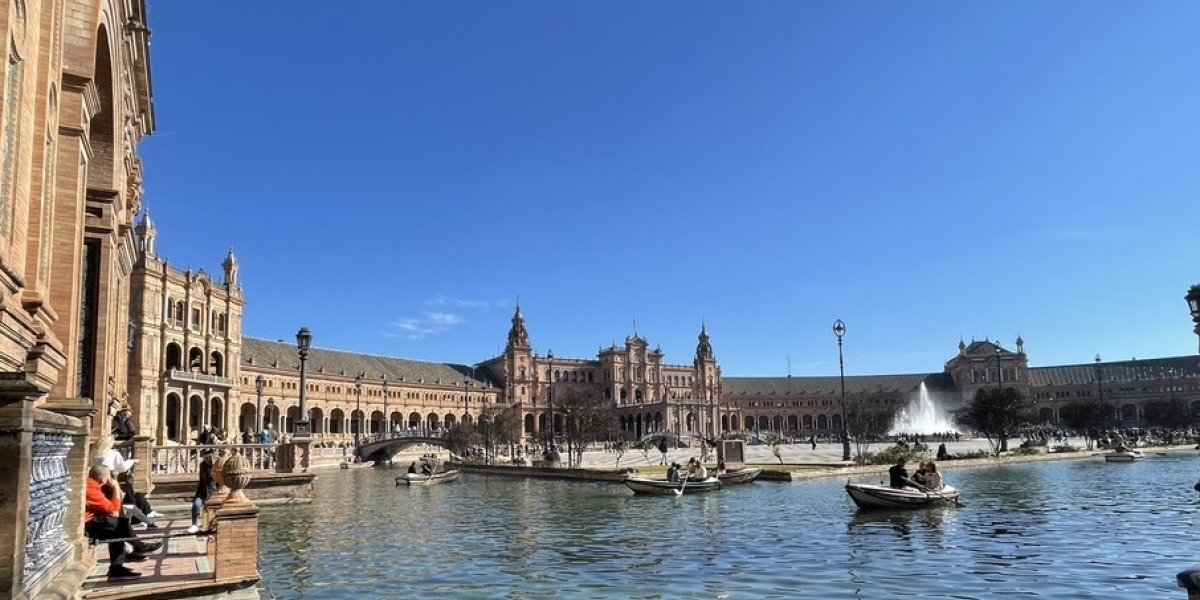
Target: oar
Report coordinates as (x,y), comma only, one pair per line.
(957,502)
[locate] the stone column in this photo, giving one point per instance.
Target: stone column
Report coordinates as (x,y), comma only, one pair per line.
(16,458)
(143,468)
(235,554)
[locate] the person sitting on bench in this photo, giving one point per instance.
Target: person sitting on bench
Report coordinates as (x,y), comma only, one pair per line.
(104,521)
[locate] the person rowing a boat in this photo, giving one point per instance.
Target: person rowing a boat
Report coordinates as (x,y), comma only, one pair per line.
(696,470)
(673,472)
(898,475)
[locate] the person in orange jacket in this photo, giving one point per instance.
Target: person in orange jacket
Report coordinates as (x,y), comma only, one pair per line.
(103,520)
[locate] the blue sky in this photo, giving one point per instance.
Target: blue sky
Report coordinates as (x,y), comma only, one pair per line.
(394,175)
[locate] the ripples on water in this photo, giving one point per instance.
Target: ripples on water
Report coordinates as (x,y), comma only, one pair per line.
(1081,529)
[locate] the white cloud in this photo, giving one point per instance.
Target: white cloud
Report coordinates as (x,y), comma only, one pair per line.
(427,324)
(444,300)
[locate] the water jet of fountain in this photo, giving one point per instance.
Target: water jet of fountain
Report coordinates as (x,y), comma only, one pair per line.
(922,416)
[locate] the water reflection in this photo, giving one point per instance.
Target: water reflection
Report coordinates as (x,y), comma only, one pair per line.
(1032,531)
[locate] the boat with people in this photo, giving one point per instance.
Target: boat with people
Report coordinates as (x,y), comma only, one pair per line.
(662,487)
(427,470)
(739,476)
(868,496)
(427,479)
(1124,455)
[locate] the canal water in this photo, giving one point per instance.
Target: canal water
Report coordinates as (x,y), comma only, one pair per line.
(1079,529)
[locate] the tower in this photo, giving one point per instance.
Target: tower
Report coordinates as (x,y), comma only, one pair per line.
(1020,345)
(146,234)
(708,381)
(231,270)
(518,360)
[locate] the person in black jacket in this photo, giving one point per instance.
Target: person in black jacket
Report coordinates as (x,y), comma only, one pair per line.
(204,488)
(898,475)
(123,428)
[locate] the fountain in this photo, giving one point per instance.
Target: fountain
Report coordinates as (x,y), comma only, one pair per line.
(922,416)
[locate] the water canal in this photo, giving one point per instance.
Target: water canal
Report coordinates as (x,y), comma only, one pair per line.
(1079,529)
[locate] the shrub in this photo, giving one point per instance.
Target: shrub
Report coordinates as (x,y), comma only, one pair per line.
(1065,448)
(1025,451)
(971,454)
(886,457)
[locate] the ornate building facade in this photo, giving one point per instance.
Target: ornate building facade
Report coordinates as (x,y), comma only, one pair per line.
(77,100)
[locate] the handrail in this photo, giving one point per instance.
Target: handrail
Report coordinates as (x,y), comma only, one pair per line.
(421,433)
(178,460)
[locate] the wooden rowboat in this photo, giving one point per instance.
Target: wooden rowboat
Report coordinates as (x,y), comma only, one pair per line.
(879,496)
(1126,456)
(662,487)
(421,479)
(738,476)
(361,465)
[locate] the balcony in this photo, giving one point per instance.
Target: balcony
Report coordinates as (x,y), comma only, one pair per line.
(204,378)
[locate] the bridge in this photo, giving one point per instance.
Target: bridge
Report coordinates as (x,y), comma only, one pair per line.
(384,446)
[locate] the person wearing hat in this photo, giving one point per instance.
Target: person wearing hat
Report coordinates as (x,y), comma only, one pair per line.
(123,428)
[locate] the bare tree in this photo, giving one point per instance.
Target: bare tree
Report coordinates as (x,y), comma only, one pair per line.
(998,414)
(868,418)
(589,418)
(773,441)
(619,447)
(1091,418)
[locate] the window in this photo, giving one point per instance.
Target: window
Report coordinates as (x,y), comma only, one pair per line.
(196,319)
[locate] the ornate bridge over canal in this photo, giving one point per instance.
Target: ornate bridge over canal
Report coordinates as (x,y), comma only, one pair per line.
(385,445)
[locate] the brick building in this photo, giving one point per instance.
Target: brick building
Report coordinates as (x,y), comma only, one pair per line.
(76,103)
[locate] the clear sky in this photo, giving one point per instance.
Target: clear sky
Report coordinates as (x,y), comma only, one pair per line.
(394,175)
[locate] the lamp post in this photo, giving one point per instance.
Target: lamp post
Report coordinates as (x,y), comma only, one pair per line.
(387,418)
(271,413)
(1100,386)
(303,343)
(1193,300)
(839,329)
(999,371)
(466,400)
(358,380)
(550,385)
(260,384)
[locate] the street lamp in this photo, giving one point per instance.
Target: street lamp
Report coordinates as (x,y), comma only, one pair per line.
(358,379)
(839,329)
(1193,300)
(303,343)
(550,384)
(1100,384)
(466,399)
(260,384)
(271,413)
(999,371)
(387,417)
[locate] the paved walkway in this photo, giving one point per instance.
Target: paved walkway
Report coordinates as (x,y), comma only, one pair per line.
(825,453)
(181,559)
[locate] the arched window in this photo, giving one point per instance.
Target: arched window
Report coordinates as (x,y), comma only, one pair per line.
(174,357)
(216,365)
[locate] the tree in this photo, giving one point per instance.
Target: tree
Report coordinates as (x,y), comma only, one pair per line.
(589,419)
(996,414)
(773,440)
(1168,414)
(461,437)
(1091,418)
(868,418)
(619,448)
(499,427)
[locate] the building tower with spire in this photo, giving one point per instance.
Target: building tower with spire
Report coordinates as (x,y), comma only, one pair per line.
(146,234)
(519,370)
(707,387)
(230,266)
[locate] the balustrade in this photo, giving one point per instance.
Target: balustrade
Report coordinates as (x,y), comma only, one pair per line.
(180,460)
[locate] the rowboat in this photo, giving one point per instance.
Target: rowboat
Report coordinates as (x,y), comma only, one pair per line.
(662,487)
(879,496)
(361,465)
(1124,456)
(422,479)
(738,476)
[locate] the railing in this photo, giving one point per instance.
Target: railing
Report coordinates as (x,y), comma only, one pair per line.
(189,376)
(419,432)
(179,460)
